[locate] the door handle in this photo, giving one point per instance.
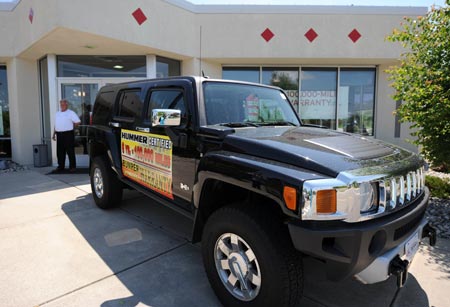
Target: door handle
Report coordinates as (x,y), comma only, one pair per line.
(114,124)
(142,129)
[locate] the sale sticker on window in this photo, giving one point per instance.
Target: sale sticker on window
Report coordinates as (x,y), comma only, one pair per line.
(147,159)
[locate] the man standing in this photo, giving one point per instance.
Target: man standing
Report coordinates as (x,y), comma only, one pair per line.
(66,120)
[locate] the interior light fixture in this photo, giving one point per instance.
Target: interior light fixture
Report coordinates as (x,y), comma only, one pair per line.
(118,66)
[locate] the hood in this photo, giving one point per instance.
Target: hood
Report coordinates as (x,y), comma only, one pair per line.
(324,151)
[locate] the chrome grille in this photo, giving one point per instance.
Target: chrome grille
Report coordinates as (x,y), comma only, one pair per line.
(399,191)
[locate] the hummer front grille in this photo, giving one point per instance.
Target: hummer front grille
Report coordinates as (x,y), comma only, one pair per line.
(400,191)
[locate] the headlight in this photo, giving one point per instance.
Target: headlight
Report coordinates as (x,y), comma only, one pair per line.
(335,199)
(368,197)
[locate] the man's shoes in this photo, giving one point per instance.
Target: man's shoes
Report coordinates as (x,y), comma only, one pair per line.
(58,170)
(72,170)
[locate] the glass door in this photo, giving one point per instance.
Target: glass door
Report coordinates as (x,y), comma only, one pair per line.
(81,98)
(81,93)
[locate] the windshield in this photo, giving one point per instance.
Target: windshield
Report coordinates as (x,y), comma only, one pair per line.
(234,104)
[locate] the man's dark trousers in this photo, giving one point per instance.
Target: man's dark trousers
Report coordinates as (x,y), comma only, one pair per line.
(65,143)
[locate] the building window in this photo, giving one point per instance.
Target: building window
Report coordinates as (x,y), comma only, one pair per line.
(356,100)
(317,102)
(80,66)
(5,133)
(247,74)
(167,67)
(348,106)
(286,78)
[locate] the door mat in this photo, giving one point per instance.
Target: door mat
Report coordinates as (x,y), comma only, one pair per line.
(66,171)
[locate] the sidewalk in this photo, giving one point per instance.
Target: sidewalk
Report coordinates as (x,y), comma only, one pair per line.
(58,249)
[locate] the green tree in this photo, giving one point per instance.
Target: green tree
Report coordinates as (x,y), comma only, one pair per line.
(422,81)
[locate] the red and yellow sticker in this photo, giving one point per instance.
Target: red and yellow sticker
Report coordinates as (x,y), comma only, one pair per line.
(147,159)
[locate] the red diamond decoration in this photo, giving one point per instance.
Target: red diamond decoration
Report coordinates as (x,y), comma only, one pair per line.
(31,15)
(267,35)
(139,16)
(311,35)
(354,35)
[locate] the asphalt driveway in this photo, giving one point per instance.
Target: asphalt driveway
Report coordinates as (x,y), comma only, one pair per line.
(58,249)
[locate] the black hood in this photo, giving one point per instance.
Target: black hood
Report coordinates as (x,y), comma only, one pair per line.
(324,151)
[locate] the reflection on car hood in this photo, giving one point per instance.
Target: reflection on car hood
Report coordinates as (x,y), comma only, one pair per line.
(325,151)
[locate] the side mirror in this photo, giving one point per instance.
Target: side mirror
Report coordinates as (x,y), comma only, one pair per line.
(166,118)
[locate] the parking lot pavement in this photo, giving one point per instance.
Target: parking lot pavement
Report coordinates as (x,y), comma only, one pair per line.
(58,249)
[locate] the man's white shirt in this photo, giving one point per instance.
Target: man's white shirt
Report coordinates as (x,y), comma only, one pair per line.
(65,120)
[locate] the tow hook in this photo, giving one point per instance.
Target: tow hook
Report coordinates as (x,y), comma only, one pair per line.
(399,268)
(430,232)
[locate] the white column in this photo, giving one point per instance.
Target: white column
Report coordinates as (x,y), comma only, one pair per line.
(53,97)
(151,66)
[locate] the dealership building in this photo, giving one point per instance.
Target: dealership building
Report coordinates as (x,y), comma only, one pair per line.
(331,60)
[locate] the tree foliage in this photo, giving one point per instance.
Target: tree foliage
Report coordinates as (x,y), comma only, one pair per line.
(422,81)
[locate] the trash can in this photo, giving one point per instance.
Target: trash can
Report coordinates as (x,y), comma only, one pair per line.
(40,155)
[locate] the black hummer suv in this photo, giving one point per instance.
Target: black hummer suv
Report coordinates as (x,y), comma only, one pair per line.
(262,188)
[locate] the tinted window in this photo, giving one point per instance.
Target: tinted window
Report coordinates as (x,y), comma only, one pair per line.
(103,108)
(130,104)
(167,99)
(248,74)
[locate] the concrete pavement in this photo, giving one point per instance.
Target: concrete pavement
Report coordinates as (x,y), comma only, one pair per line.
(58,249)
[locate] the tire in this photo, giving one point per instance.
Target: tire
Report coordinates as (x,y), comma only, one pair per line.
(106,188)
(269,266)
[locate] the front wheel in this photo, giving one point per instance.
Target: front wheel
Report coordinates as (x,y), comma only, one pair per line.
(106,188)
(249,259)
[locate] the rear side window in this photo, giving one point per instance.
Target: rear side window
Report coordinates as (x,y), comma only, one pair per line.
(130,104)
(103,108)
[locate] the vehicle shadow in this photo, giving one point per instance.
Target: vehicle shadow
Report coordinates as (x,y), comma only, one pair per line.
(146,247)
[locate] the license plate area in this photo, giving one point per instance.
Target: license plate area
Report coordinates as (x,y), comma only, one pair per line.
(412,246)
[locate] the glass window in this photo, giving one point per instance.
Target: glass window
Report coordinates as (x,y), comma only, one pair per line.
(238,103)
(167,67)
(286,78)
(130,104)
(356,100)
(247,74)
(317,103)
(5,133)
(103,107)
(167,99)
(101,66)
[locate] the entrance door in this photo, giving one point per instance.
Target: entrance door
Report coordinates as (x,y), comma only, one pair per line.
(81,93)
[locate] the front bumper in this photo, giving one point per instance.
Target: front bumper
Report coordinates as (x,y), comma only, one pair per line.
(350,248)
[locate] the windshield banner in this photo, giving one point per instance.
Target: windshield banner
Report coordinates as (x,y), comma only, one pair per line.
(147,159)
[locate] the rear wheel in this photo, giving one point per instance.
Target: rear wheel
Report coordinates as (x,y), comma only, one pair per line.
(106,188)
(250,260)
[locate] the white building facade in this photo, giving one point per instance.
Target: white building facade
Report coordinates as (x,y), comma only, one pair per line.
(331,60)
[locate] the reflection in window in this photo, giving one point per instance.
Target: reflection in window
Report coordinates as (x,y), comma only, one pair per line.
(101,66)
(167,67)
(247,74)
(167,99)
(285,78)
(5,139)
(130,104)
(317,103)
(356,100)
(240,103)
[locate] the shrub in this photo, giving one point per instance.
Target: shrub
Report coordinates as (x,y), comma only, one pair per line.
(439,188)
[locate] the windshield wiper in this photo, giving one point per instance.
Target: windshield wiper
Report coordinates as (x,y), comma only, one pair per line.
(238,124)
(278,123)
